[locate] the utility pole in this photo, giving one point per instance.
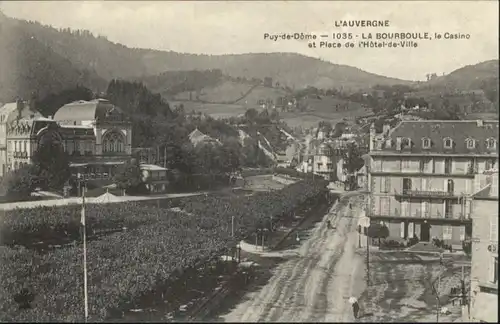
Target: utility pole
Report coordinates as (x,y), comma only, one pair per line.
(367,258)
(232,226)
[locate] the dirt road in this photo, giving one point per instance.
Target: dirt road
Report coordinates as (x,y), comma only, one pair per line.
(316,284)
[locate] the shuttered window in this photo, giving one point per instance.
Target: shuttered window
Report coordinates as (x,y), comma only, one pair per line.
(494,228)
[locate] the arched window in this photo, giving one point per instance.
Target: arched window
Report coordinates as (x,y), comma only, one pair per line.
(113,142)
(451,186)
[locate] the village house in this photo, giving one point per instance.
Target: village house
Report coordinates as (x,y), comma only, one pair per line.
(421,176)
(155,177)
(197,138)
(484,265)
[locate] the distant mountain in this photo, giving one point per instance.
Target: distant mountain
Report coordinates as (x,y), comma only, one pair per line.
(29,65)
(470,85)
(470,77)
(41,57)
(45,59)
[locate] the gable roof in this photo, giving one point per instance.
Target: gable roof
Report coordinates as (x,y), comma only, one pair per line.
(197,137)
(438,130)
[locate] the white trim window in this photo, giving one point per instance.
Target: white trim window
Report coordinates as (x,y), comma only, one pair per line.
(471,143)
(494,228)
(491,143)
(448,143)
(426,143)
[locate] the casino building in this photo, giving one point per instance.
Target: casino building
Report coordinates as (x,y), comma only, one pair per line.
(96,135)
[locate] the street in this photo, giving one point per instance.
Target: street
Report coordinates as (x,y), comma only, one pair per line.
(314,285)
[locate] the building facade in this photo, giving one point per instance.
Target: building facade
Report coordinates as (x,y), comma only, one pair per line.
(96,135)
(421,176)
(484,265)
(155,177)
(16,143)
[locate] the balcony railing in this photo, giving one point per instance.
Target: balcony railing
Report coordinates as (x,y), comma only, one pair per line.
(20,155)
(419,213)
(425,193)
(94,176)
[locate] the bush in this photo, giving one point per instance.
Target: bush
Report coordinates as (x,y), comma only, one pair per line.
(414,240)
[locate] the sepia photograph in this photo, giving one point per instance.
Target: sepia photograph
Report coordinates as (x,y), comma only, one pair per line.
(249,161)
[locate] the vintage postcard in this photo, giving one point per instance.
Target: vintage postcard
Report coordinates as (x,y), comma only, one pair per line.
(249,161)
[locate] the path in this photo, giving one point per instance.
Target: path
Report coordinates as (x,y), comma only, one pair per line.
(316,284)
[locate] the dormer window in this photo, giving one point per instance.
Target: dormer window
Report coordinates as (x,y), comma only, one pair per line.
(448,143)
(470,143)
(426,143)
(491,143)
(406,143)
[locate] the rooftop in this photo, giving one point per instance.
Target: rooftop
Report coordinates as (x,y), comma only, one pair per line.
(86,111)
(432,136)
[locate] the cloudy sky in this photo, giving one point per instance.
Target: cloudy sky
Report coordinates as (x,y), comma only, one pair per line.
(238,27)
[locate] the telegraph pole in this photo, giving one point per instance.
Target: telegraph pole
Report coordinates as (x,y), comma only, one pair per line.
(367,258)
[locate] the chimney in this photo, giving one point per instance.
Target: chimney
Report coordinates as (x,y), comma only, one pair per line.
(372,137)
(20,107)
(479,123)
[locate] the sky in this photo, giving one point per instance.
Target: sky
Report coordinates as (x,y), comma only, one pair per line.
(220,27)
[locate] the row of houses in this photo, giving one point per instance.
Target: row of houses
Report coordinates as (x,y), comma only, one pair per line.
(323,156)
(439,179)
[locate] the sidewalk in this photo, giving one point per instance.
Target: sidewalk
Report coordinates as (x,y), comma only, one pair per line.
(90,200)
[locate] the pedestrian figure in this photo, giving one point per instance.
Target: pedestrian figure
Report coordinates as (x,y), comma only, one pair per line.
(350,205)
(355,306)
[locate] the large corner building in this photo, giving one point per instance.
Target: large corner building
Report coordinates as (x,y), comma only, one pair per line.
(422,176)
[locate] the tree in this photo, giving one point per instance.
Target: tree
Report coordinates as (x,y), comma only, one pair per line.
(129,177)
(352,160)
(51,165)
(20,183)
(378,231)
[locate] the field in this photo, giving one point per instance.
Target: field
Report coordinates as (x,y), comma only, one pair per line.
(134,251)
(214,110)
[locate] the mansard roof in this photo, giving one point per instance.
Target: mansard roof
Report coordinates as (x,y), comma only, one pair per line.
(437,131)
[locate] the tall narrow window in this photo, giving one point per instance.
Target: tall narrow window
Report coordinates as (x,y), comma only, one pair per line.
(447,165)
(493,228)
(494,276)
(406,184)
(448,208)
(450,186)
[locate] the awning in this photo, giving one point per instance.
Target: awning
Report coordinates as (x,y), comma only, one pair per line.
(485,307)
